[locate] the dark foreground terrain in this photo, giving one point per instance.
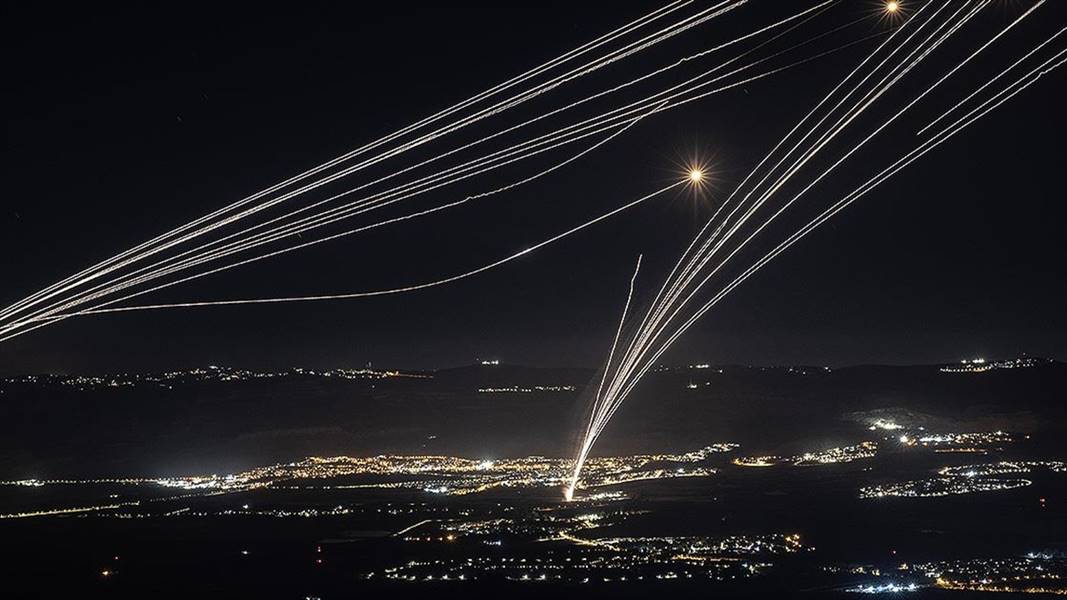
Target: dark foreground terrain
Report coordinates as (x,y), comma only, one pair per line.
(737,481)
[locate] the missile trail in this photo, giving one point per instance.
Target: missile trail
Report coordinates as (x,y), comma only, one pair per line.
(654,331)
(656,328)
(628,50)
(868,100)
(374,225)
(583,452)
(551,113)
(671,7)
(646,347)
(910,157)
(945,134)
(398,290)
(990,82)
(672,97)
(656,313)
(709,16)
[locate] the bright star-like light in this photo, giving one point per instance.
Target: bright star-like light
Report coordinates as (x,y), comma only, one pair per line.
(696,174)
(892,7)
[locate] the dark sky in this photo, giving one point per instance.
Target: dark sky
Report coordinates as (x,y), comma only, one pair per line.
(122,123)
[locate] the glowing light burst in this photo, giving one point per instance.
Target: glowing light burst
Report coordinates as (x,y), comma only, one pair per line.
(891,12)
(696,171)
(699,176)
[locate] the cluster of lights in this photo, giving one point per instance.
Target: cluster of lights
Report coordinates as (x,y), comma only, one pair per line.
(981,365)
(1033,573)
(514,389)
(585,560)
(211,373)
(977,442)
(842,454)
(1004,468)
(967,481)
(447,475)
(883,588)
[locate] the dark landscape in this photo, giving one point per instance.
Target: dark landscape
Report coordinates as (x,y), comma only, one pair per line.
(342,529)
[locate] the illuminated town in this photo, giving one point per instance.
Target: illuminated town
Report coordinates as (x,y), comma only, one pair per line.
(437,519)
(438,475)
(829,456)
(211,373)
(981,365)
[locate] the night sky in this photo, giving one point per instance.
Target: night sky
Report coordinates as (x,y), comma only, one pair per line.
(124,122)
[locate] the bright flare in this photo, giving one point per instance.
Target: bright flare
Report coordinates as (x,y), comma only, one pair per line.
(892,7)
(696,175)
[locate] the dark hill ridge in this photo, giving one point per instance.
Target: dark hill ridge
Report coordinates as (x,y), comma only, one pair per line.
(221,423)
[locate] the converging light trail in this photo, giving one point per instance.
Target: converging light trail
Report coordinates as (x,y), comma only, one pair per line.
(398,290)
(590,67)
(243,241)
(663,323)
(503,137)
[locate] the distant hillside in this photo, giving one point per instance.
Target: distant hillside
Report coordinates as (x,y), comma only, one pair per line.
(224,419)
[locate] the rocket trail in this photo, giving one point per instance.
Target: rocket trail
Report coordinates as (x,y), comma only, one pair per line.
(291,231)
(541,117)
(656,311)
(364,228)
(646,347)
(398,290)
(584,450)
(641,44)
(390,197)
(990,82)
(628,28)
(653,330)
(939,138)
(474,99)
(685,24)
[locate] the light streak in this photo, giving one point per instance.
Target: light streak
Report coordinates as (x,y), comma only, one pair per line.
(633,25)
(390,291)
(614,56)
(413,527)
(634,108)
(568,493)
(648,328)
(661,108)
(637,348)
(641,354)
(855,195)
